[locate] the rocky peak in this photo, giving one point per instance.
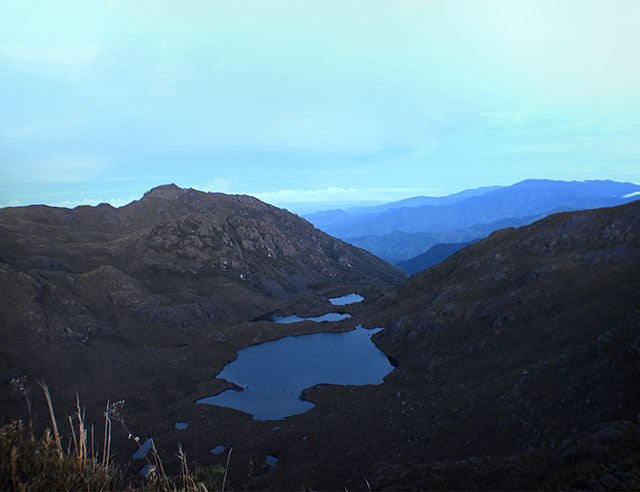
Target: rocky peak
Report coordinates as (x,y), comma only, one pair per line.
(167,192)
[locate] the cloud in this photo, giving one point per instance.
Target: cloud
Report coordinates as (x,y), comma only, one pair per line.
(218,184)
(336,193)
(115,202)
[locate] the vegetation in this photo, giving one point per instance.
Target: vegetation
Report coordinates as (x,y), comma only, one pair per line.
(27,463)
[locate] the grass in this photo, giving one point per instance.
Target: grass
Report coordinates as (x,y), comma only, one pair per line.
(27,463)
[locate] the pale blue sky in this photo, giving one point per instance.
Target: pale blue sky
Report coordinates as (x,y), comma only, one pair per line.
(296,101)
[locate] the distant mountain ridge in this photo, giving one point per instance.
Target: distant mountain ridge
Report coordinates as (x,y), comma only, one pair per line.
(497,206)
(400,246)
(334,217)
(434,255)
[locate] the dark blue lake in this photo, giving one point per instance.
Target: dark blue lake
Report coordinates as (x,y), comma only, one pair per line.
(294,318)
(348,299)
(274,374)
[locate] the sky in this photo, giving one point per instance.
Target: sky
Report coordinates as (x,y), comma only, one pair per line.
(309,104)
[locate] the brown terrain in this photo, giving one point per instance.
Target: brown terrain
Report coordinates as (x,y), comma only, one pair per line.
(518,357)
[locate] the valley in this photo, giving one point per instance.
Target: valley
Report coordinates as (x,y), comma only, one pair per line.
(515,360)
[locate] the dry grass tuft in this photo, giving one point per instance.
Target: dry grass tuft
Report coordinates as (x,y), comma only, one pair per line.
(43,464)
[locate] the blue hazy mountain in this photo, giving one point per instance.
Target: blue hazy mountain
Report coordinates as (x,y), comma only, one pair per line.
(434,255)
(526,198)
(419,201)
(326,218)
(399,246)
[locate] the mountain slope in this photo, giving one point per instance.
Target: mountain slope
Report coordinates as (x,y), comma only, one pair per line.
(524,347)
(180,246)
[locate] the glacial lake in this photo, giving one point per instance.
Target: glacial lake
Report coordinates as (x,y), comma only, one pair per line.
(273,374)
(294,318)
(348,299)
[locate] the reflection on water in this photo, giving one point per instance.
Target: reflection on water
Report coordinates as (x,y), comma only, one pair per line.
(289,365)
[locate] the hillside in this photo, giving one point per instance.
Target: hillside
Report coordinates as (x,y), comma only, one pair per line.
(522,352)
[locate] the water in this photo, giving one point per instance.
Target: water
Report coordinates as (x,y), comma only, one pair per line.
(271,460)
(348,299)
(142,450)
(289,365)
(181,425)
(293,318)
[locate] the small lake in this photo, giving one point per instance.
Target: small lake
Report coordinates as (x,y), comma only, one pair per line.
(293,318)
(348,299)
(274,374)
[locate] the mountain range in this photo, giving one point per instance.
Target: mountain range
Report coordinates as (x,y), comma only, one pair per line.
(516,359)
(464,216)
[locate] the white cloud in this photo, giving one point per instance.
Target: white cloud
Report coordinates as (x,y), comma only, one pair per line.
(629,195)
(115,202)
(218,184)
(336,193)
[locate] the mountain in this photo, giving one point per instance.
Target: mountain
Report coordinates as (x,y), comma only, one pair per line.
(527,198)
(174,245)
(518,360)
(179,257)
(162,291)
(330,218)
(434,255)
(399,246)
(419,201)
